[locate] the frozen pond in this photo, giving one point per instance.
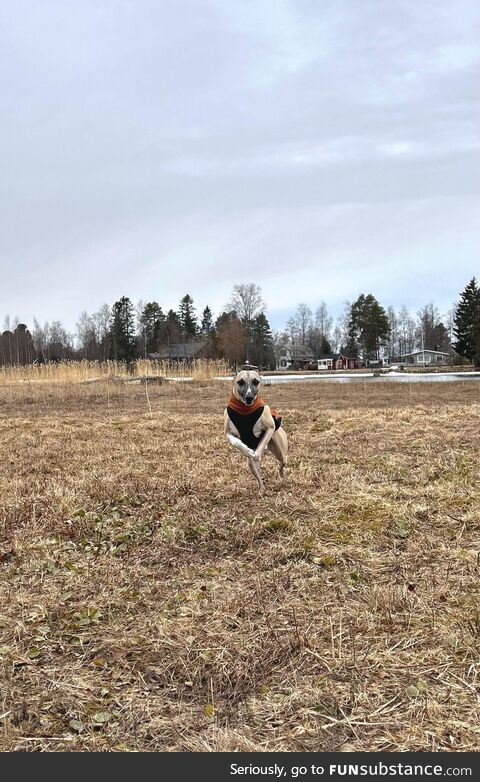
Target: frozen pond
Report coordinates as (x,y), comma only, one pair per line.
(389,377)
(342,377)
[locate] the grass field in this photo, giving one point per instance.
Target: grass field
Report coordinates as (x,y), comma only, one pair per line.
(151,601)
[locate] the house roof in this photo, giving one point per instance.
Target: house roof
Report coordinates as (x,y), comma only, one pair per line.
(335,356)
(297,352)
(179,350)
(302,351)
(420,352)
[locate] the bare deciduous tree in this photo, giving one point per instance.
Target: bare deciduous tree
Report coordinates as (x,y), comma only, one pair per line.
(405,331)
(246,300)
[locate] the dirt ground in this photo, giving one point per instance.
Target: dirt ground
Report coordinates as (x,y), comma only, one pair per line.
(150,600)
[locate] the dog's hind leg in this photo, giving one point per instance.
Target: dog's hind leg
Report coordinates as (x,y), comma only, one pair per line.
(278,446)
(254,466)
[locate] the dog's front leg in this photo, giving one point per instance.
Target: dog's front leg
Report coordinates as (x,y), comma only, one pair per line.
(267,436)
(254,465)
(235,441)
(244,449)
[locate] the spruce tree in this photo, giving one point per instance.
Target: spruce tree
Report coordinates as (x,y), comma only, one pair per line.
(325,347)
(467,323)
(262,349)
(187,318)
(122,327)
(207,321)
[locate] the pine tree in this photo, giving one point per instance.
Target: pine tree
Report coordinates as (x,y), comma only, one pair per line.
(467,323)
(369,326)
(123,330)
(187,318)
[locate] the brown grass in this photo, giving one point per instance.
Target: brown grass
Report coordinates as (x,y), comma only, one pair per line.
(150,600)
(66,372)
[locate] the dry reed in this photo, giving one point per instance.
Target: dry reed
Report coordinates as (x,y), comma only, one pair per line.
(81,371)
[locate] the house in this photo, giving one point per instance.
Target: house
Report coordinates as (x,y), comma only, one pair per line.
(427,358)
(297,357)
(180,352)
(377,363)
(337,361)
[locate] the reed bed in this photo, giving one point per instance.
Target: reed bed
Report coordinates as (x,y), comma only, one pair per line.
(80,371)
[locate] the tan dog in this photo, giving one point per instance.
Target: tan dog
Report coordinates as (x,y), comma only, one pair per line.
(252,427)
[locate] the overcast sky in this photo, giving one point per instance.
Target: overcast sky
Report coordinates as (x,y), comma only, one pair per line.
(320,148)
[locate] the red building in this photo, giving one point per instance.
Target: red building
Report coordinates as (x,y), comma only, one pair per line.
(337,361)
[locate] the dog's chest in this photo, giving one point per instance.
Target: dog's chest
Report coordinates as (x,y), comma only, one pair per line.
(249,427)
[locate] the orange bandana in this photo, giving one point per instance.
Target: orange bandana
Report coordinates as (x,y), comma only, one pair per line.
(243,409)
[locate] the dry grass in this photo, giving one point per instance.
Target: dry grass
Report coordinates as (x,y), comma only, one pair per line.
(67,372)
(150,601)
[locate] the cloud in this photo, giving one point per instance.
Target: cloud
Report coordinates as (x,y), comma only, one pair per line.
(320,149)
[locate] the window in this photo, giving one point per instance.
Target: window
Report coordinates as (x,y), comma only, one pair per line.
(424,358)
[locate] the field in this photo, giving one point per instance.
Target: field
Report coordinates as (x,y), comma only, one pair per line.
(151,601)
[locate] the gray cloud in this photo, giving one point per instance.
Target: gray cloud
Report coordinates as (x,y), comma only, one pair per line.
(320,149)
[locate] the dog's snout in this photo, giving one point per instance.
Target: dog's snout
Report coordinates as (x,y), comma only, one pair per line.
(249,399)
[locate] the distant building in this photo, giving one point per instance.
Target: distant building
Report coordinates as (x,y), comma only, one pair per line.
(298,357)
(337,361)
(427,358)
(181,352)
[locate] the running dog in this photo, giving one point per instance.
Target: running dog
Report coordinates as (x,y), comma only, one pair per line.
(251,426)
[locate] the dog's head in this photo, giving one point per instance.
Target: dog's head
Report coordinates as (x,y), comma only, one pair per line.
(246,385)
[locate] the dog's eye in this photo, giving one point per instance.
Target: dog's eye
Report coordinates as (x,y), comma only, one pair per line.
(255,382)
(241,382)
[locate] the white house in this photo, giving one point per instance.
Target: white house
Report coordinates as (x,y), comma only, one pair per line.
(294,358)
(427,358)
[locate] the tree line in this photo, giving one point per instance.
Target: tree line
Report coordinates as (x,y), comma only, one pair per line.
(241,332)
(125,332)
(368,331)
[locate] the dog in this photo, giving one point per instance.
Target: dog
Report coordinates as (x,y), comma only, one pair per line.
(251,426)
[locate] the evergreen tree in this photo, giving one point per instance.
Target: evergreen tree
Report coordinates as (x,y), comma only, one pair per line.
(368,327)
(207,321)
(262,349)
(152,320)
(122,327)
(187,318)
(16,347)
(324,346)
(173,330)
(467,323)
